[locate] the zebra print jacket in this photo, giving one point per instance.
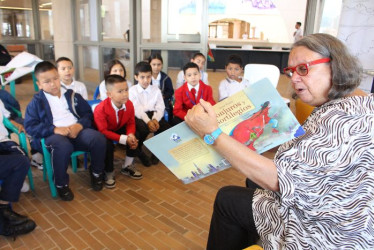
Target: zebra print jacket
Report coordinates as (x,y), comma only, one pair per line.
(326,179)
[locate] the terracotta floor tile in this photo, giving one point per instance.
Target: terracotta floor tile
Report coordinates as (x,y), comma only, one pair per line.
(74,239)
(90,240)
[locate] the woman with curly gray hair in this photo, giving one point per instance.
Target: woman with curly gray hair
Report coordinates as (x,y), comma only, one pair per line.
(318,191)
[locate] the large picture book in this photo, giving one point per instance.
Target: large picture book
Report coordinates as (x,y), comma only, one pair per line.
(256,116)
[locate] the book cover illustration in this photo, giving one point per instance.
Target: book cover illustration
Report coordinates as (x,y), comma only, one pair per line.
(256,116)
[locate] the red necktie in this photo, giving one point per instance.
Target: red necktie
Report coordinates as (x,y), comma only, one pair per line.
(120,115)
(193,91)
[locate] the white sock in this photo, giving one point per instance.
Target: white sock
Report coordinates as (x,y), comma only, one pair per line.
(128,161)
(38,157)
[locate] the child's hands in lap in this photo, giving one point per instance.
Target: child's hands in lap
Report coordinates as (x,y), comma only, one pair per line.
(132,141)
(151,126)
(74,130)
(65,131)
(156,124)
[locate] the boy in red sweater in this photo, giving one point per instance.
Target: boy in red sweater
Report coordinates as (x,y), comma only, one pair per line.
(190,93)
(115,118)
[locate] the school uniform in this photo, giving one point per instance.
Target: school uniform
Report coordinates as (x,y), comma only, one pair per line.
(181,81)
(116,124)
(46,112)
(184,99)
(228,87)
(77,87)
(149,105)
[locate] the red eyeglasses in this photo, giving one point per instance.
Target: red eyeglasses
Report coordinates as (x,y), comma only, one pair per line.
(303,68)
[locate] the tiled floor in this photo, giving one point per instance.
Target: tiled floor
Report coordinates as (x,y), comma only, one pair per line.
(157,212)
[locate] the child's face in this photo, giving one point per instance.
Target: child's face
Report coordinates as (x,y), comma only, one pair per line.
(66,71)
(192,76)
(156,65)
(233,71)
(117,70)
(49,82)
(119,93)
(144,79)
(200,61)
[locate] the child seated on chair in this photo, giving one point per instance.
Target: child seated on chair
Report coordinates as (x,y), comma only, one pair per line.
(163,82)
(64,119)
(199,59)
(190,93)
(115,118)
(11,104)
(115,67)
(66,71)
(14,166)
(234,82)
(149,109)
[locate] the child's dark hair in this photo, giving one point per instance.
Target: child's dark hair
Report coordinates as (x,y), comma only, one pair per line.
(190,65)
(234,59)
(142,67)
(155,56)
(110,80)
(299,23)
(43,67)
(197,55)
(63,59)
(110,66)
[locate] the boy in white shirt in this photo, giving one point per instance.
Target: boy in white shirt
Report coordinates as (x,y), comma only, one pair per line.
(234,82)
(66,72)
(65,120)
(199,59)
(149,108)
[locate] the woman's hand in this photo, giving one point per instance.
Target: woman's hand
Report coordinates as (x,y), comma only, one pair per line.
(202,119)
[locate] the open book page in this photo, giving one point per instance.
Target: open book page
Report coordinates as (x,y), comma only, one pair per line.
(256,116)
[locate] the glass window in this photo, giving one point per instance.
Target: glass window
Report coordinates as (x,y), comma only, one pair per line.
(16,22)
(88,63)
(46,23)
(120,54)
(49,52)
(330,17)
(116,20)
(258,21)
(181,23)
(86,20)
(173,60)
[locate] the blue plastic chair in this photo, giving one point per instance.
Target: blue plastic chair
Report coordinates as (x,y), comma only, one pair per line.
(23,144)
(97,93)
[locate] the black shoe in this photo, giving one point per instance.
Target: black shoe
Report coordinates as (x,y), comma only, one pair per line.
(97,182)
(65,193)
(15,230)
(11,217)
(145,159)
(154,160)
